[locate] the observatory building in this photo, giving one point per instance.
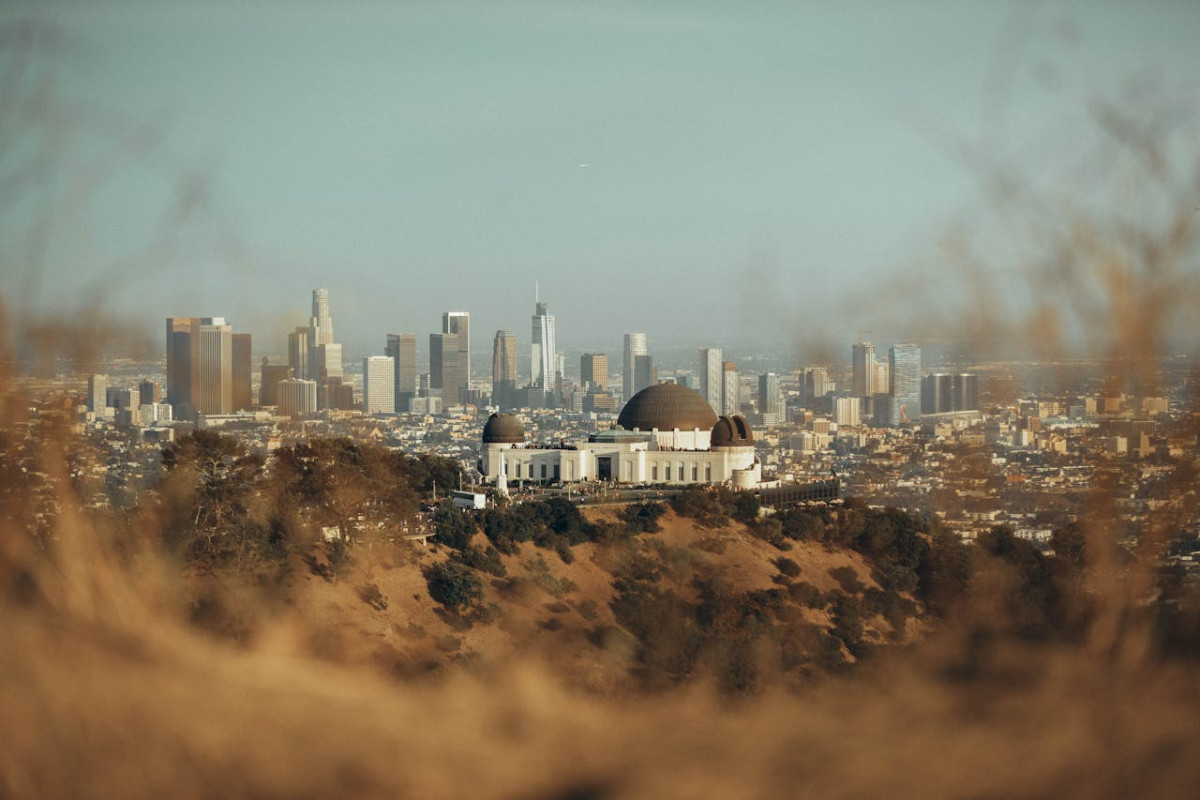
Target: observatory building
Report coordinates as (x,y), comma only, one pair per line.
(666,434)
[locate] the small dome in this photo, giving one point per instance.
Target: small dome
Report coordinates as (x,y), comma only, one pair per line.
(503,429)
(667,406)
(731,432)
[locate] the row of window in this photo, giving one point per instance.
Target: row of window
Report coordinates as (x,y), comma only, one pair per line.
(680,472)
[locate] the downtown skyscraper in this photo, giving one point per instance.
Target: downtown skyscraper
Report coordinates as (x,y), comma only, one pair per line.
(712,378)
(324,354)
(541,349)
(402,348)
(904,367)
(200,365)
(379,385)
(450,359)
(504,370)
(635,345)
(862,381)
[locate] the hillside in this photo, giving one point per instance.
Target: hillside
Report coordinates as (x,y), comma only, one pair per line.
(584,620)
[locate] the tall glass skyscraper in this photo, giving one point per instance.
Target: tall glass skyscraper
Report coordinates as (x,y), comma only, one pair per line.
(504,370)
(904,362)
(541,349)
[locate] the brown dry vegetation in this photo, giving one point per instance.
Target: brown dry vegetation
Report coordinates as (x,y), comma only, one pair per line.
(124,674)
(114,686)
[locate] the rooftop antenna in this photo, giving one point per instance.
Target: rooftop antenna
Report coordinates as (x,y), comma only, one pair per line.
(537,297)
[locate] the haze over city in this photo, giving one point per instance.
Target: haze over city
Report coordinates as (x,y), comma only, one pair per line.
(704,172)
(599,400)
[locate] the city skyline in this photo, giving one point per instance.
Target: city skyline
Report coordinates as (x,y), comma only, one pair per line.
(819,155)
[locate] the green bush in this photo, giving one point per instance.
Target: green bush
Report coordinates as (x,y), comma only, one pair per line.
(454,585)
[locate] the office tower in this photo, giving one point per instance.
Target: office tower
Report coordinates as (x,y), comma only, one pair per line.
(644,373)
(447,373)
(320,324)
(328,361)
(884,410)
(731,400)
(324,354)
(635,345)
(97,399)
(712,377)
(298,352)
(542,350)
(504,370)
(847,411)
(904,368)
(816,384)
(966,392)
(297,397)
(882,382)
(770,396)
(863,379)
(179,363)
(272,374)
(937,393)
(379,385)
(212,367)
(402,347)
(119,398)
(593,371)
(333,394)
(243,398)
(459,322)
(149,392)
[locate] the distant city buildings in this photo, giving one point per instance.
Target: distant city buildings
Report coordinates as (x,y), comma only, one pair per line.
(593,371)
(297,397)
(712,377)
(270,376)
(379,385)
(943,393)
(542,353)
(770,399)
(635,345)
(450,359)
(863,375)
(504,370)
(904,367)
(200,376)
(731,400)
(402,348)
(97,399)
(243,395)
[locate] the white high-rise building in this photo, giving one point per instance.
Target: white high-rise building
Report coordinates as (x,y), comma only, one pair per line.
(635,345)
(731,400)
(212,368)
(712,377)
(324,355)
(297,397)
(542,352)
(847,411)
(320,324)
(98,394)
(379,385)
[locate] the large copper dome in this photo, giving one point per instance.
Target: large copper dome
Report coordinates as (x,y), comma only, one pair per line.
(667,406)
(503,429)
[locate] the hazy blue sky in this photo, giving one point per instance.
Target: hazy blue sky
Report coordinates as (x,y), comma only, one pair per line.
(749,166)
